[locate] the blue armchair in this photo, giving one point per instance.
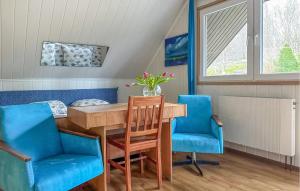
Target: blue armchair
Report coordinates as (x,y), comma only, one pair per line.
(35,156)
(199,132)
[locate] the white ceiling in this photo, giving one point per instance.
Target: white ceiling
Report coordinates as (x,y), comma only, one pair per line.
(133,29)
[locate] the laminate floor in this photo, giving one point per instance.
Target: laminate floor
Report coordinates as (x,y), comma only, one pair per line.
(236,172)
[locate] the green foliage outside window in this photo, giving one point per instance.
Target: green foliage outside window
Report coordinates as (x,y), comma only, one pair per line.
(236,69)
(287,61)
(232,69)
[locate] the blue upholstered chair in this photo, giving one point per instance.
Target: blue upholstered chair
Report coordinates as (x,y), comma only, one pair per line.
(199,132)
(35,156)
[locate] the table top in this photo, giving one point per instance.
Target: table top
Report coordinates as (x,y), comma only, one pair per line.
(115,114)
(114,107)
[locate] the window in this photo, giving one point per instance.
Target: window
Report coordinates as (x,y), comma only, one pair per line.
(231,60)
(250,40)
(281,36)
(224,41)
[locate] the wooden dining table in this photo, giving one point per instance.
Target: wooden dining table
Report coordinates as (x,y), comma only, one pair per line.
(104,119)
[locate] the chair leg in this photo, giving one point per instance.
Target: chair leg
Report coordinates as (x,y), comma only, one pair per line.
(127,171)
(205,162)
(194,160)
(198,168)
(158,166)
(107,162)
(141,164)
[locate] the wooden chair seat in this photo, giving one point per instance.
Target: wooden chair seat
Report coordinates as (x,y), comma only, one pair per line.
(136,143)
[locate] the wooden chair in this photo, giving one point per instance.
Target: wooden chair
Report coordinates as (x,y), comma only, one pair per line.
(143,132)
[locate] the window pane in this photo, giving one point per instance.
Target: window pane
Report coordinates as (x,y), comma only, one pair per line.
(226,41)
(281,36)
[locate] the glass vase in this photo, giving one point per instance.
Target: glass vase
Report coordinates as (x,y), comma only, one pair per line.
(154,92)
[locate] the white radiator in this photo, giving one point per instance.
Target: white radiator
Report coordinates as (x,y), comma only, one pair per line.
(262,123)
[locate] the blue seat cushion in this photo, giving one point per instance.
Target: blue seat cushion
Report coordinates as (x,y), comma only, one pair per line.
(66,171)
(190,142)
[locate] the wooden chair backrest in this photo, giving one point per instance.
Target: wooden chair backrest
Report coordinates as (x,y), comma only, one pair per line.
(144,116)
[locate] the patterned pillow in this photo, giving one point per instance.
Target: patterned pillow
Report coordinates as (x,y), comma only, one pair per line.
(88,102)
(77,56)
(58,108)
(48,55)
(59,56)
(99,54)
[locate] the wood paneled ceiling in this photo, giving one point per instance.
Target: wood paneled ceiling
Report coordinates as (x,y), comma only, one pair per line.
(133,29)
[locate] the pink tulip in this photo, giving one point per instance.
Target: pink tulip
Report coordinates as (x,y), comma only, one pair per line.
(129,85)
(164,74)
(172,75)
(146,74)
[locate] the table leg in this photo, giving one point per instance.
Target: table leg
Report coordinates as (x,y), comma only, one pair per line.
(166,153)
(100,183)
(166,150)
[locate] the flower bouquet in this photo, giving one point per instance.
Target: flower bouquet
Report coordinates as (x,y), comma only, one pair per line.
(151,82)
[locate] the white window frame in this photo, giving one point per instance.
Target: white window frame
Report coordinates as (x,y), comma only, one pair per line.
(254,45)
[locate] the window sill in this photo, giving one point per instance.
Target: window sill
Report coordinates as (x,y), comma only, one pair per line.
(253,82)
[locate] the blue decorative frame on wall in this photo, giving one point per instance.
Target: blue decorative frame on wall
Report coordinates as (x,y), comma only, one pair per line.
(176,50)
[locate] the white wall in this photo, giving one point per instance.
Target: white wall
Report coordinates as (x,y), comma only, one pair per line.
(203,2)
(179,86)
(57,84)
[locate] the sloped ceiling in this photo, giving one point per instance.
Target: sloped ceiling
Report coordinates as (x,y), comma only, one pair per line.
(133,29)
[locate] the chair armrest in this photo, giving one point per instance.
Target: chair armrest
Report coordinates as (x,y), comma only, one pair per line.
(78,134)
(79,143)
(173,125)
(217,120)
(16,170)
(217,131)
(13,152)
